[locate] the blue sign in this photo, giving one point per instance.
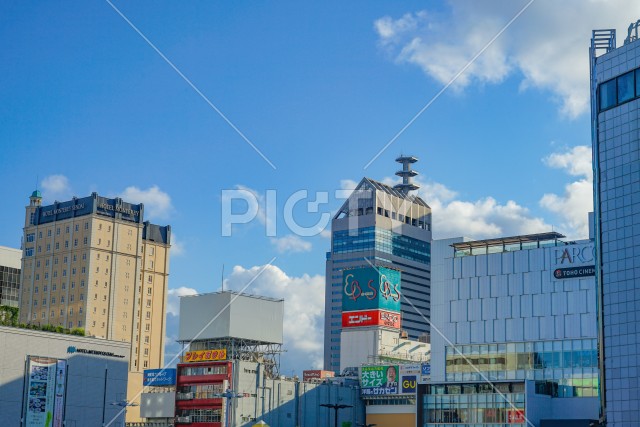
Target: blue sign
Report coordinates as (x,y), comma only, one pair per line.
(426,369)
(371,288)
(159,377)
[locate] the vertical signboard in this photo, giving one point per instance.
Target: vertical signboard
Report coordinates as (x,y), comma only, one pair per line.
(61,384)
(409,375)
(41,384)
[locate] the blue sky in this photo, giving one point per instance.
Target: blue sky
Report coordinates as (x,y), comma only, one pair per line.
(87,105)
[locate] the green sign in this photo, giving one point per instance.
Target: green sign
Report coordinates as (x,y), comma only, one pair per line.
(379,380)
(370,288)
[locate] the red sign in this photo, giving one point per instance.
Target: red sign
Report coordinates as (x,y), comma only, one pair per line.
(316,374)
(354,319)
(516,416)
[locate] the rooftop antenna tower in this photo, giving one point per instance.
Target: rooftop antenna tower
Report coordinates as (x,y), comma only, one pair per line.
(407,174)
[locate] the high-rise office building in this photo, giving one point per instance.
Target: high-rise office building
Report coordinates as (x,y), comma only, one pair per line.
(615,104)
(94,263)
(382,226)
(9,276)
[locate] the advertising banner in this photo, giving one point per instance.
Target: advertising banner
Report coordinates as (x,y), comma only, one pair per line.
(379,380)
(354,319)
(408,384)
(316,374)
(371,288)
(425,375)
(41,382)
(159,377)
(516,416)
(61,384)
(205,355)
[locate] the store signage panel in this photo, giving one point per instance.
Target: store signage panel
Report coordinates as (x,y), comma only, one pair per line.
(354,319)
(205,355)
(370,288)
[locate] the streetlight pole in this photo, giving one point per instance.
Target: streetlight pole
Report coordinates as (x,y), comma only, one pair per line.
(335,408)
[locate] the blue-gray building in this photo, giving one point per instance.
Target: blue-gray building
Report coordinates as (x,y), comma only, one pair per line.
(615,102)
(382,226)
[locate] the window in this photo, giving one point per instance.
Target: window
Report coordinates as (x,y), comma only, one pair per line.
(48,233)
(75,243)
(67,229)
(53,300)
(82,283)
(608,94)
(62,312)
(146,364)
(86,225)
(48,247)
(71,311)
(146,339)
(58,231)
(62,299)
(64,273)
(124,327)
(148,315)
(86,240)
(36,290)
(84,257)
(84,270)
(626,87)
(64,285)
(148,291)
(31,237)
(46,275)
(35,302)
(44,301)
(146,351)
(71,298)
(149,279)
(28,252)
(37,276)
(57,245)
(74,258)
(147,327)
(80,321)
(149,303)
(77,226)
(44,288)
(65,259)
(55,261)
(81,297)
(73,271)
(46,263)
(108,228)
(38,263)
(99,241)
(73,285)
(39,249)
(40,235)
(99,226)
(53,287)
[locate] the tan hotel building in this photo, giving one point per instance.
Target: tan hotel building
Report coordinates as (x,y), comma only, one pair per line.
(93,263)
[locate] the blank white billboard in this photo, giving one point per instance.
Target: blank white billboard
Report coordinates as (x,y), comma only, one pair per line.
(227,314)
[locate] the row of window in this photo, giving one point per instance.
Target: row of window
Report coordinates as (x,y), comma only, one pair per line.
(53,300)
(617,91)
(203,370)
(54,286)
(370,238)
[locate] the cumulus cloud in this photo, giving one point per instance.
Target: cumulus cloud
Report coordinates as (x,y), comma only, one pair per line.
(290,244)
(303,309)
(177,246)
(157,203)
(573,206)
(478,219)
(56,187)
(546,51)
(173,299)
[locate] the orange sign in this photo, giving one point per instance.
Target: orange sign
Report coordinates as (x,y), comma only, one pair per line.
(516,416)
(205,355)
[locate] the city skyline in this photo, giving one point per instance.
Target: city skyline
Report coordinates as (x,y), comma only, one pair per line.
(90,106)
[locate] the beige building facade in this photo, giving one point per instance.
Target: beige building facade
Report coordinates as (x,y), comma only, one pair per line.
(94,263)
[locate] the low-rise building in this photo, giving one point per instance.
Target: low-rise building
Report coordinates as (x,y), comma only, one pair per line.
(68,380)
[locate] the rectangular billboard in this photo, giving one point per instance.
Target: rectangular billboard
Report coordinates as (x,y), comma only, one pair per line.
(316,374)
(205,355)
(370,288)
(42,396)
(379,380)
(354,319)
(159,377)
(573,261)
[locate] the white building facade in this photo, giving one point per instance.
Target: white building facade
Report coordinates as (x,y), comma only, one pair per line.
(514,318)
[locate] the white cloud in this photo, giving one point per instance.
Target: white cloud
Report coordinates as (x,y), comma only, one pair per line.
(173,299)
(177,246)
(577,201)
(325,233)
(291,244)
(157,203)
(303,309)
(478,219)
(546,45)
(56,187)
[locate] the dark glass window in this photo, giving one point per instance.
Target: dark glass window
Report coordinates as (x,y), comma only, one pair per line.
(608,94)
(638,82)
(626,87)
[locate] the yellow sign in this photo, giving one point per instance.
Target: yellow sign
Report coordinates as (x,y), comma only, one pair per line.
(205,355)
